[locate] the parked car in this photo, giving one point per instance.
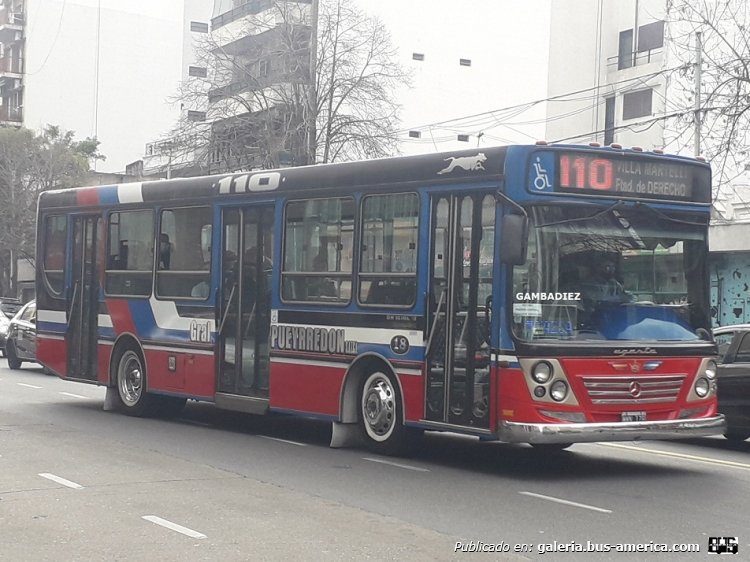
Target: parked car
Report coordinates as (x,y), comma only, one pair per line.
(20,344)
(9,307)
(4,324)
(733,379)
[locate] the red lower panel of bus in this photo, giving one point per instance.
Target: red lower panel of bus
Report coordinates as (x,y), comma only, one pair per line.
(306,387)
(191,374)
(52,353)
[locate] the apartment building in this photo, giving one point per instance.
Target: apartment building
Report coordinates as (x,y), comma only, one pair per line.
(103,68)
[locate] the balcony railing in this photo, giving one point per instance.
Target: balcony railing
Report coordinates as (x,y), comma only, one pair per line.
(11,64)
(11,18)
(629,60)
(14,115)
(249,8)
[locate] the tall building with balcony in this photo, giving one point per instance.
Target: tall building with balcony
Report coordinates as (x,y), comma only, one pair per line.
(103,68)
(608,72)
(245,93)
(11,62)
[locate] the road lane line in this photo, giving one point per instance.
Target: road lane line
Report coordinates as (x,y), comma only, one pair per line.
(566,502)
(59,480)
(283,440)
(73,395)
(28,385)
(709,460)
(398,465)
(174,526)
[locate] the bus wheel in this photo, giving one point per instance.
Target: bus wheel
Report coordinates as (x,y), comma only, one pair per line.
(10,353)
(380,415)
(736,436)
(131,385)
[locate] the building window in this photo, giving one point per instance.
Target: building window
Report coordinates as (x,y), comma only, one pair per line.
(197,71)
(651,36)
(464,62)
(388,253)
(415,134)
(463,138)
(609,121)
(417,56)
(196,115)
(636,104)
(199,27)
(625,51)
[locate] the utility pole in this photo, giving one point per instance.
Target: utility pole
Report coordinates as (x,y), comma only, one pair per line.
(312,93)
(697,113)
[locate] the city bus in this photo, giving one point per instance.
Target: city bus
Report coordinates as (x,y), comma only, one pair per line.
(442,292)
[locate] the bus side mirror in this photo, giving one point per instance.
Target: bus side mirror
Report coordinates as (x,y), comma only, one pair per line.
(514,239)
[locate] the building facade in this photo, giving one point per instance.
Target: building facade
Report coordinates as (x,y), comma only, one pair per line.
(100,68)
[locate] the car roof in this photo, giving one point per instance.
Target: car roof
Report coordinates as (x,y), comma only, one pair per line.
(730,329)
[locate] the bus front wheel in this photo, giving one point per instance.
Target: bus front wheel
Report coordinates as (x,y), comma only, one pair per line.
(132,384)
(381,417)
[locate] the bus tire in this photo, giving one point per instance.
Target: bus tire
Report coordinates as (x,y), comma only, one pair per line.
(10,354)
(380,416)
(131,383)
(736,436)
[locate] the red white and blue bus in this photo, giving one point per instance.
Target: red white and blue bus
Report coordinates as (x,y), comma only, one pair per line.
(447,292)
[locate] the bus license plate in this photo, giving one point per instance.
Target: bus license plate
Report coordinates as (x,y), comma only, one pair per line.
(633,416)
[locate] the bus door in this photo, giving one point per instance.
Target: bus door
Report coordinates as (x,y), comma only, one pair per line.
(83,297)
(245,303)
(462,235)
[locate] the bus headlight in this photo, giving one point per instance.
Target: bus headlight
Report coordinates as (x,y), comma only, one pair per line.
(710,370)
(542,372)
(702,387)
(558,391)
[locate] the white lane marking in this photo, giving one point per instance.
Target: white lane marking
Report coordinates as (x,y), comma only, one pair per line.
(73,395)
(27,385)
(566,502)
(174,526)
(283,440)
(59,480)
(709,460)
(398,465)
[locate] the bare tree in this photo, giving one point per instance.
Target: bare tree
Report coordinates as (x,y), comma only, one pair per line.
(724,81)
(257,103)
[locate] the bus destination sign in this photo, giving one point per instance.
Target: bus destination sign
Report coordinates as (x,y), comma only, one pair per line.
(631,176)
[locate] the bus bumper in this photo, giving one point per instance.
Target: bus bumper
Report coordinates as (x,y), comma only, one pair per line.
(543,433)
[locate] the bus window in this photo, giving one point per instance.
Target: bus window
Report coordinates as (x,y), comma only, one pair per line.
(318,250)
(55,229)
(183,268)
(388,266)
(130,259)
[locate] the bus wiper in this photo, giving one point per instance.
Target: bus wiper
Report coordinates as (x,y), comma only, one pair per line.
(584,219)
(666,217)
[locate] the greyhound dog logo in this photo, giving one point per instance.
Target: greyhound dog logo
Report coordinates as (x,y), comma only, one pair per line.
(468,163)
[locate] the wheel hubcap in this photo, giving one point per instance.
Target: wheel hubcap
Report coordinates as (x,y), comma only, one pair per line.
(378,407)
(131,380)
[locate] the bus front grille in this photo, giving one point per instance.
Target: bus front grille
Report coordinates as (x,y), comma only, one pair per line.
(633,389)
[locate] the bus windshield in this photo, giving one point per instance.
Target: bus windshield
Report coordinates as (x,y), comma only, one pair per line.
(625,273)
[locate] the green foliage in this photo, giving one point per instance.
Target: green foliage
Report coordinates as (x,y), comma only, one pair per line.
(29,164)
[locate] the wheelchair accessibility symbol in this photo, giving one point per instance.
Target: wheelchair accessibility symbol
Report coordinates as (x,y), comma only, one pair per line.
(541,181)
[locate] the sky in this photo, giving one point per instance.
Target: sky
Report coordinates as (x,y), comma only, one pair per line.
(507,42)
(123,95)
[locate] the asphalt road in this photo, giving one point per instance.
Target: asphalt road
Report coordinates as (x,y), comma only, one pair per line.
(78,483)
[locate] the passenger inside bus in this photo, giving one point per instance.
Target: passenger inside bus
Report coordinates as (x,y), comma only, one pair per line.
(165,251)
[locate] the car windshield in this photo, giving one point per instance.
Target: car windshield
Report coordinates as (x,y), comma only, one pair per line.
(612,273)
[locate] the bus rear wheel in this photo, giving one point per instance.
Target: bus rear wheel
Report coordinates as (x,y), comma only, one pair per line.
(381,417)
(131,385)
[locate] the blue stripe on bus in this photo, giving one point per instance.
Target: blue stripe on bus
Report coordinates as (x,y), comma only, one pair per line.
(108,195)
(56,327)
(415,353)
